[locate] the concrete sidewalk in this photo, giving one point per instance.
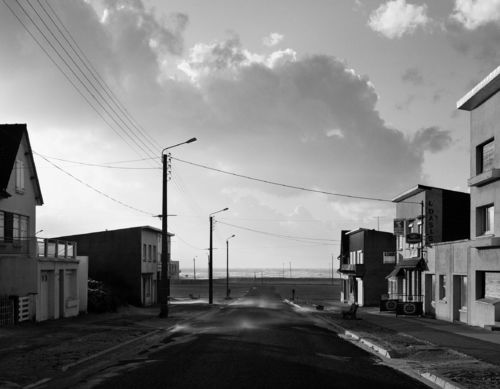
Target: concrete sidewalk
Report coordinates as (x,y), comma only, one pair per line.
(477,342)
(449,355)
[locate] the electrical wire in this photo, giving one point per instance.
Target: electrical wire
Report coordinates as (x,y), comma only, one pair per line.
(280,184)
(95,189)
(298,238)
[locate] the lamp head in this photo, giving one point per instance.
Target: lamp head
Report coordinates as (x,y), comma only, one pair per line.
(191,140)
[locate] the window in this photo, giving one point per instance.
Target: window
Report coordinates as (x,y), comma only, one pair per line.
(155,254)
(19,176)
(150,253)
(492,285)
(485,155)
(360,259)
(352,257)
(13,226)
(485,220)
(463,292)
(400,242)
(442,287)
(144,252)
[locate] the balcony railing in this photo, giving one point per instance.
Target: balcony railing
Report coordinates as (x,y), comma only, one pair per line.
(15,246)
(357,269)
(54,248)
(48,248)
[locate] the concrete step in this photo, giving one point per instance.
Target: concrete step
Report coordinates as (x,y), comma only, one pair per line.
(494,327)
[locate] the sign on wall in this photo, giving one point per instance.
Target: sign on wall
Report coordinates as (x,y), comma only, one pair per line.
(413,238)
(399,226)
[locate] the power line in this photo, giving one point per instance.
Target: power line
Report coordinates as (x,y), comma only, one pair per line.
(67,59)
(95,189)
(100,165)
(297,238)
(282,185)
(94,73)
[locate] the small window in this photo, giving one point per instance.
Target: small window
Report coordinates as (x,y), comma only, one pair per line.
(150,253)
(2,228)
(463,292)
(19,176)
(485,223)
(144,251)
(155,254)
(360,257)
(485,154)
(442,287)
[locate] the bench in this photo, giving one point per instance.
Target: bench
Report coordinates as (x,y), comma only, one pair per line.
(351,313)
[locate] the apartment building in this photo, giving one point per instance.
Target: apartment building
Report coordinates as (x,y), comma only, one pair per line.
(366,258)
(425,215)
(39,278)
(128,259)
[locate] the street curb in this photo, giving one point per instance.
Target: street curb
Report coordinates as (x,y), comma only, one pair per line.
(439,381)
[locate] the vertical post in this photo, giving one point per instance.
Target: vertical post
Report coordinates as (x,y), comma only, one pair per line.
(165,250)
(194,268)
(210,264)
(419,281)
(290,263)
(332,269)
(227,268)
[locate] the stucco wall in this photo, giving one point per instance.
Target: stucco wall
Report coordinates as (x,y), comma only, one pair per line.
(23,204)
(18,275)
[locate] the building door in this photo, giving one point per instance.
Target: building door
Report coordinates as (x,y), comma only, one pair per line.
(430,294)
(147,289)
(360,298)
(44,295)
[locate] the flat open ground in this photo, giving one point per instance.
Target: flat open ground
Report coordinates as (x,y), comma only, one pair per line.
(307,290)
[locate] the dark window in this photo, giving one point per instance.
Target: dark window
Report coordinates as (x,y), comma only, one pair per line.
(485,154)
(485,223)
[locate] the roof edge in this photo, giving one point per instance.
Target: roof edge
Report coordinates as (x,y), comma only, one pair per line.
(483,90)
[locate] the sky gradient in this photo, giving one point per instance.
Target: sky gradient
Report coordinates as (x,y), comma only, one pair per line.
(346,97)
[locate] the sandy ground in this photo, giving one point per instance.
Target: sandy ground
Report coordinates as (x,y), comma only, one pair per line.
(307,290)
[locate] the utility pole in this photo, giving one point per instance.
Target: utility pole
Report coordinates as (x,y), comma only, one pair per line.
(290,269)
(165,249)
(210,258)
(332,269)
(165,241)
(194,268)
(227,265)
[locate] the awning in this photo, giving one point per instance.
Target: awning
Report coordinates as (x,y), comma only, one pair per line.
(408,264)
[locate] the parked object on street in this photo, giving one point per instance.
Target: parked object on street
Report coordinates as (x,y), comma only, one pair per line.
(351,313)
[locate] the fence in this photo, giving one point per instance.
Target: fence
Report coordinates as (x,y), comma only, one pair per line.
(6,311)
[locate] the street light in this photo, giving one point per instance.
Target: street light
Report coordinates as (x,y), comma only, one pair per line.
(165,242)
(227,265)
(210,259)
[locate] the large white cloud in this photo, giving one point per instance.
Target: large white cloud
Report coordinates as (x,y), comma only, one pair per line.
(397,18)
(475,13)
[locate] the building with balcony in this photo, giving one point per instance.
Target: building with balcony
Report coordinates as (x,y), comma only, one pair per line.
(469,272)
(366,256)
(39,279)
(128,259)
(425,215)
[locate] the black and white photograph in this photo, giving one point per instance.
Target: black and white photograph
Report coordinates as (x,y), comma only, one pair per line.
(249,194)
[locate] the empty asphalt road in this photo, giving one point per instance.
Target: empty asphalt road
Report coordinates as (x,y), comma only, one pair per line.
(255,342)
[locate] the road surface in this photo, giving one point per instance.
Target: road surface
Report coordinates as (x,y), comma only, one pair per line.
(255,342)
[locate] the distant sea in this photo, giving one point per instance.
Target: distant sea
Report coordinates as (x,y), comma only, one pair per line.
(259,273)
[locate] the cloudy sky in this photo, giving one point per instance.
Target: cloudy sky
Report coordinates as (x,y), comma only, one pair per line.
(345,97)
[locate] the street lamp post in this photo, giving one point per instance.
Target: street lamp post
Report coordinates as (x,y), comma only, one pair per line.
(165,242)
(227,265)
(210,258)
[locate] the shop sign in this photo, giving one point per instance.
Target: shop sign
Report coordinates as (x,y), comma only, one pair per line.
(399,226)
(413,237)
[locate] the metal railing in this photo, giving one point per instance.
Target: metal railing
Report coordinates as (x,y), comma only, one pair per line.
(403,297)
(54,248)
(48,248)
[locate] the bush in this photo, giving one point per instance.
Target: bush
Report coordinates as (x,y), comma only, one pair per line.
(102,298)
